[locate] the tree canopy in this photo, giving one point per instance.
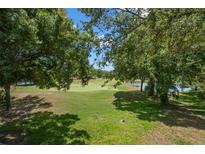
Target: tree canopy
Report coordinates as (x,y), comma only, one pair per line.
(162,45)
(42,45)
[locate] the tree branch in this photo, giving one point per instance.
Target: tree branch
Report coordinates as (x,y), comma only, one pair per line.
(131,12)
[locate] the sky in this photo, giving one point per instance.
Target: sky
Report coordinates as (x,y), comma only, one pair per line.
(76,16)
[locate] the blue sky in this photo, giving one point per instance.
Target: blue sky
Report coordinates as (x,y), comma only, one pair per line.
(77,17)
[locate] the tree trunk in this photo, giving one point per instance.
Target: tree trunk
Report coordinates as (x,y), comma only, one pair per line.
(155,89)
(195,88)
(7,97)
(151,89)
(141,87)
(164,100)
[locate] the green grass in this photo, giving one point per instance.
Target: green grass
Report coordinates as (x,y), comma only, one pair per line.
(93,85)
(181,141)
(101,115)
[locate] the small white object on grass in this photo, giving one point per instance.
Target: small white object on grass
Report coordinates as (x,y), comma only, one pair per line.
(122,121)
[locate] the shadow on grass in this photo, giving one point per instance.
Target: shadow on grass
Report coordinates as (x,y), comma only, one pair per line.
(176,114)
(39,127)
(23,106)
(193,101)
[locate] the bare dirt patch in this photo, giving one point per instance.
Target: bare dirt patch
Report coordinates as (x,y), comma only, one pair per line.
(168,135)
(26,103)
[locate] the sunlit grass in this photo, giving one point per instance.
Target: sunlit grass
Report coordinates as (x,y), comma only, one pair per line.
(109,115)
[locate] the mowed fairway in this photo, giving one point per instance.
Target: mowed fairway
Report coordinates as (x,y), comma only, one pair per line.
(100,115)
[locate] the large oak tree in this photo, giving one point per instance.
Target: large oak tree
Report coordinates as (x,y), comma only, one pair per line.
(41,45)
(164,46)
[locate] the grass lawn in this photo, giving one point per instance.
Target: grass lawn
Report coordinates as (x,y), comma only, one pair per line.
(100,115)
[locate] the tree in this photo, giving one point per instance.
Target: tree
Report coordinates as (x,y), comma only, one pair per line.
(162,45)
(41,45)
(179,44)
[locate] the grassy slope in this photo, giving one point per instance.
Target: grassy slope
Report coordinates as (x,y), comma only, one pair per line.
(98,116)
(110,116)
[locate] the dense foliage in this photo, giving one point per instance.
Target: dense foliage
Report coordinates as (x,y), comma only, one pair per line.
(41,45)
(164,46)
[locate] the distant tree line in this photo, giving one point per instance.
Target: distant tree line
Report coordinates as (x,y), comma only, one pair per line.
(99,73)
